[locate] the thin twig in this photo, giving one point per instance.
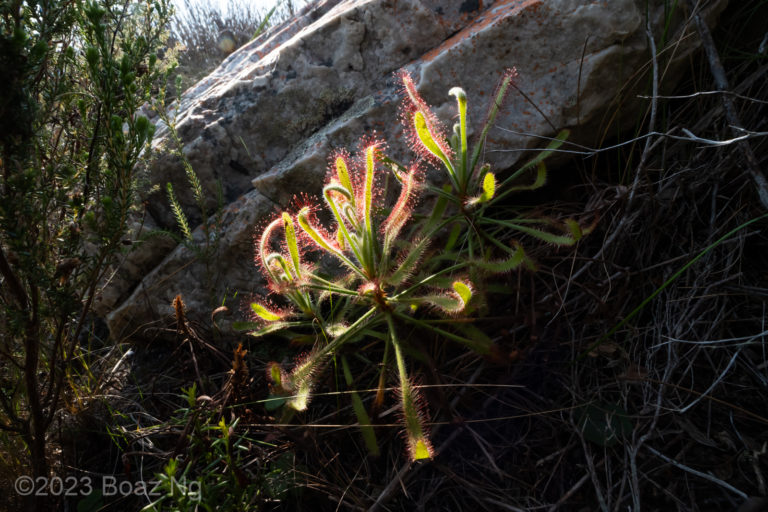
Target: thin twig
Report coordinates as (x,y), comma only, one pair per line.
(503,506)
(706,93)
(635,447)
(692,471)
(651,123)
(714,383)
(589,152)
(721,81)
(570,493)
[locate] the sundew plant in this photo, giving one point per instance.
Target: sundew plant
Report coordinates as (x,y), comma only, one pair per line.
(382,282)
(473,187)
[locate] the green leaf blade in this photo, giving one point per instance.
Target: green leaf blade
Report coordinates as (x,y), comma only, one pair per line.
(292,243)
(427,139)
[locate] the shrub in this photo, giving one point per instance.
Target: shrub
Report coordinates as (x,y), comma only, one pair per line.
(75,74)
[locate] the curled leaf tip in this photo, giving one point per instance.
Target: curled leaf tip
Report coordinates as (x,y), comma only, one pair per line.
(342,172)
(421,449)
(575,229)
(489,190)
(459,93)
(292,243)
(489,186)
(266,314)
(276,374)
(464,292)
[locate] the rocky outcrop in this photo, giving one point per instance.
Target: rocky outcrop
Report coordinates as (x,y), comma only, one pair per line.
(264,122)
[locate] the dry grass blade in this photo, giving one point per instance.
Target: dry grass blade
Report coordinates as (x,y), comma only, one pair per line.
(718,72)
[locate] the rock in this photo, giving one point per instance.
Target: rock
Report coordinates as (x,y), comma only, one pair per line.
(264,123)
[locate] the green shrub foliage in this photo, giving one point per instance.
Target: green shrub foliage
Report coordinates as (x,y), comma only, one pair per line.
(74,76)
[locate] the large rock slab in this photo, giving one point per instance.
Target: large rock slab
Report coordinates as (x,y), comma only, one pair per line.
(264,122)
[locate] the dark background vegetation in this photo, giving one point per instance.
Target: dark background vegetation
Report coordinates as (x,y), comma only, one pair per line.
(591,407)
